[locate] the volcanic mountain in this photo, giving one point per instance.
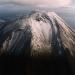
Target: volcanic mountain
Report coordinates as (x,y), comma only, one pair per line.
(41,35)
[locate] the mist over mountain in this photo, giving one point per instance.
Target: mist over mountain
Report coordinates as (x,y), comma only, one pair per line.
(67,13)
(12,11)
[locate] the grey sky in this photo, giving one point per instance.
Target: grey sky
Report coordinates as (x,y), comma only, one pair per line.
(43,3)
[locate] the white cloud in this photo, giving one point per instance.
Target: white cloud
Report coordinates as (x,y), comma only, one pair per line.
(53,3)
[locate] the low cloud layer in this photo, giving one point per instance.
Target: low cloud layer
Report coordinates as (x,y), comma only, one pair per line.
(53,3)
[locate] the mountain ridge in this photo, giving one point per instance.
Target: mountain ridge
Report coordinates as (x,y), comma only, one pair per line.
(38,21)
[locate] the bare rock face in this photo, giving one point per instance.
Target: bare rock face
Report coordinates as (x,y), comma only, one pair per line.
(42,35)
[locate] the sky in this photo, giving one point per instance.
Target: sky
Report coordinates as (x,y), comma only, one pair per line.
(42,3)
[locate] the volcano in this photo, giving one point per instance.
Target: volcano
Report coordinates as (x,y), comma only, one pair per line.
(41,36)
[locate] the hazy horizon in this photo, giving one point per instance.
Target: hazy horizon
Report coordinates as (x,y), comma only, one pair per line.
(64,8)
(9,11)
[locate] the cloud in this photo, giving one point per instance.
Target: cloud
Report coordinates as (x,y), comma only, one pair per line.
(41,3)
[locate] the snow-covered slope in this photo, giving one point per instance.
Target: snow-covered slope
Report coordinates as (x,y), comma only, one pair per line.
(37,34)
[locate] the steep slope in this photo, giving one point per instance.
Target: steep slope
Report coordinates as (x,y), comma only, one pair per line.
(46,31)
